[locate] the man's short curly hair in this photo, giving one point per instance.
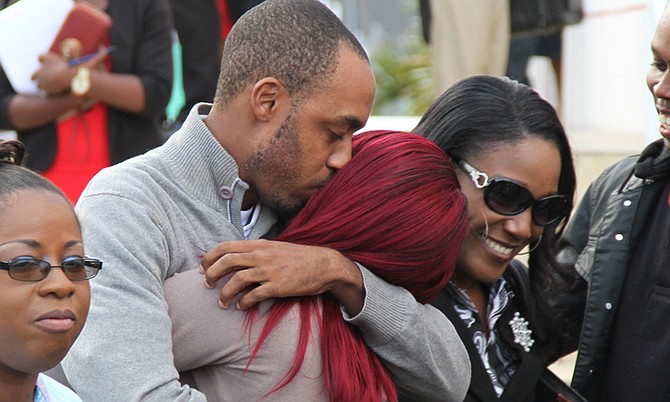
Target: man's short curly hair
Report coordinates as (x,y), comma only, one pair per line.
(295,41)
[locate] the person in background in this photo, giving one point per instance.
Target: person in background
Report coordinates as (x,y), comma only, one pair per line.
(617,240)
(114,111)
(43,306)
(537,30)
(295,85)
(399,212)
(197,25)
(515,167)
(201,50)
(466,38)
(541,44)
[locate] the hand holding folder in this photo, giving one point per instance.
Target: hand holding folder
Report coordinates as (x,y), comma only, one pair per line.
(36,26)
(53,76)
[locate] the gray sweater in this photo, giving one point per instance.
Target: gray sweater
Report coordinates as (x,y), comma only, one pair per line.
(155,215)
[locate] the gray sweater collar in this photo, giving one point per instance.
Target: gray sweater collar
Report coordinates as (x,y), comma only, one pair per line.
(200,163)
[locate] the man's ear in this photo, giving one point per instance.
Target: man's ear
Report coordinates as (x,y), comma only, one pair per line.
(268,97)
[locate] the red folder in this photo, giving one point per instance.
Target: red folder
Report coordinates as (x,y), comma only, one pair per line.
(84,29)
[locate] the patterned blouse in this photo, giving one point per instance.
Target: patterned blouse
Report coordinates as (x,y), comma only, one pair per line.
(500,360)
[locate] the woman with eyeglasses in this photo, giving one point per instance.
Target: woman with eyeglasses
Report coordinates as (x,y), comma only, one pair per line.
(44,290)
(515,167)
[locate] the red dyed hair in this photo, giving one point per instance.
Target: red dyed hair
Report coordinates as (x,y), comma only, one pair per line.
(396,208)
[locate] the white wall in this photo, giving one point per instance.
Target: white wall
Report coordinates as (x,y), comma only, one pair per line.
(606,59)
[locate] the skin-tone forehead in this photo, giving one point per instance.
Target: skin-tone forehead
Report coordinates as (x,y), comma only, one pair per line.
(521,161)
(662,34)
(31,214)
(350,92)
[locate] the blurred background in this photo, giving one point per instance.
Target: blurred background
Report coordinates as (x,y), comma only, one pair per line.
(604,105)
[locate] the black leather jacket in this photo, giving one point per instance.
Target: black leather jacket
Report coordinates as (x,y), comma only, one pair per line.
(599,242)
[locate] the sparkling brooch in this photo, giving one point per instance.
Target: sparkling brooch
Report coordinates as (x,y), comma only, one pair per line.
(521,332)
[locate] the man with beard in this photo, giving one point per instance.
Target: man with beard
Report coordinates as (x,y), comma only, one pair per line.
(295,85)
(617,240)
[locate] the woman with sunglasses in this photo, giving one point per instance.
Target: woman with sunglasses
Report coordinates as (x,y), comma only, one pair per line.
(516,170)
(44,290)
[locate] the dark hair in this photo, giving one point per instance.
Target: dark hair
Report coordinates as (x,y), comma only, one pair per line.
(396,208)
(14,177)
(481,112)
(295,41)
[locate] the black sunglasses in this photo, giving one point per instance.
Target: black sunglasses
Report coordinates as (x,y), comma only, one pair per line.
(30,269)
(506,197)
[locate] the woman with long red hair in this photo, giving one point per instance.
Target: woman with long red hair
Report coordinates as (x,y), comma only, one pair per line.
(396,208)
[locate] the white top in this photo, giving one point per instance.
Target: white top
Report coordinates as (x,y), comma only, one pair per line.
(49,390)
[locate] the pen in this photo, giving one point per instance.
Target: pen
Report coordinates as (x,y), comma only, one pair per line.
(89,56)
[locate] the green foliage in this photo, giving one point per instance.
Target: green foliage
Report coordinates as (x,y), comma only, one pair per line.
(404,80)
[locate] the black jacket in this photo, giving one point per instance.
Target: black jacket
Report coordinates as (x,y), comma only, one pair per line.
(599,241)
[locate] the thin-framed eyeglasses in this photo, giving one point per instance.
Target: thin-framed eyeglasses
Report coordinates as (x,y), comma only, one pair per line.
(30,269)
(507,197)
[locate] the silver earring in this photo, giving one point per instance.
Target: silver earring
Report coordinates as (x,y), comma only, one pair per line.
(537,243)
(486,229)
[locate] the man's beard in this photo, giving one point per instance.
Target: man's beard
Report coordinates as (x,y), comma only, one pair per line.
(278,160)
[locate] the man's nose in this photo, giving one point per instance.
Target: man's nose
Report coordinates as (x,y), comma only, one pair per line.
(341,154)
(661,88)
